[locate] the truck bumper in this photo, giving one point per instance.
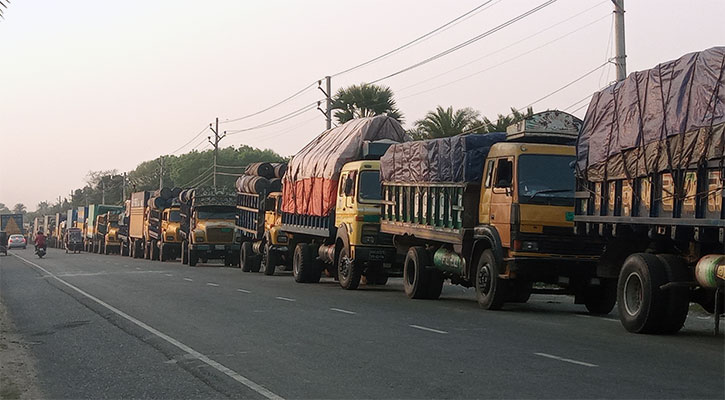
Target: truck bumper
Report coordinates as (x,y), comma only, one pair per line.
(547,268)
(215,250)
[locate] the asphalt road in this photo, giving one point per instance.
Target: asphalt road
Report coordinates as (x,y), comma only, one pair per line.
(114,327)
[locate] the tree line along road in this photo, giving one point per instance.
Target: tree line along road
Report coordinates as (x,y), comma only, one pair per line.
(97,326)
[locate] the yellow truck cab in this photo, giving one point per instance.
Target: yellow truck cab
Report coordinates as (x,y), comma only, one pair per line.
(357,219)
(111,241)
(493,211)
(170,242)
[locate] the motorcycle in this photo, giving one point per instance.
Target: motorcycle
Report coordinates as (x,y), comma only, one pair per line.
(40,251)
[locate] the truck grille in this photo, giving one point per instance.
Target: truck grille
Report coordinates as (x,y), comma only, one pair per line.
(215,235)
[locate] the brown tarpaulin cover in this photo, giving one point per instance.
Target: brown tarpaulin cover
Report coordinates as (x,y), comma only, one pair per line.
(311,179)
(668,117)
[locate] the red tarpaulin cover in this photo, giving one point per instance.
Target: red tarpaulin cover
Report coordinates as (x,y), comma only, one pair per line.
(310,183)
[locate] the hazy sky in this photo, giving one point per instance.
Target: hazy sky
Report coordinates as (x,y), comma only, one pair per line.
(96,85)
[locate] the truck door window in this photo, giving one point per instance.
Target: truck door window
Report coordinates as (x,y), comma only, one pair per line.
(489,173)
(343,179)
(504,173)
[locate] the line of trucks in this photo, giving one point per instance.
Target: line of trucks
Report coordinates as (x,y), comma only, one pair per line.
(624,207)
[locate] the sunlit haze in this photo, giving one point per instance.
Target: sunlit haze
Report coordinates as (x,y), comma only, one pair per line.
(98,85)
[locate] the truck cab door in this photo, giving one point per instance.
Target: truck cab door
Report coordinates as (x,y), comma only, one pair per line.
(502,198)
(484,208)
(164,222)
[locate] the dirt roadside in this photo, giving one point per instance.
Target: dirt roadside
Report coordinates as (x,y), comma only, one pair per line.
(18,376)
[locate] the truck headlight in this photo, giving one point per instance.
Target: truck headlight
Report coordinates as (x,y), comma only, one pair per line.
(528,245)
(369,234)
(368,239)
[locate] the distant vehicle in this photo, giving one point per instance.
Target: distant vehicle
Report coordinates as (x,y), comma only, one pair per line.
(17,241)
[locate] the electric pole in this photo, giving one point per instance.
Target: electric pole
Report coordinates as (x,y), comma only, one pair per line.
(328,96)
(103,191)
(123,185)
(161,172)
(215,143)
(621,53)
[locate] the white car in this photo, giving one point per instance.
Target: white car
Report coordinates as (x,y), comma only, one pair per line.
(16,241)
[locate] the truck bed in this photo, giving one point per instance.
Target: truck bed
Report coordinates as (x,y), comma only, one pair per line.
(445,212)
(250,215)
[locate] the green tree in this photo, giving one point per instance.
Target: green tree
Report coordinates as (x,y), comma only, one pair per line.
(4,209)
(20,208)
(445,122)
(503,121)
(364,100)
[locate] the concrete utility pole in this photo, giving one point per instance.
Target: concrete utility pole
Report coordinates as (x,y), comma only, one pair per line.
(123,185)
(621,56)
(215,143)
(328,96)
(103,191)
(161,172)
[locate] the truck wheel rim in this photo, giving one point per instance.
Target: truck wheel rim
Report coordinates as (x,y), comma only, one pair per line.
(484,279)
(344,266)
(633,294)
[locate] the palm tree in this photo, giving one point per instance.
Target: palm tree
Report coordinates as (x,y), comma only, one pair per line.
(503,121)
(364,100)
(445,122)
(19,208)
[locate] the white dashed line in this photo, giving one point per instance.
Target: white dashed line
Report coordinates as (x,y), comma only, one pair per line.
(423,328)
(212,284)
(284,298)
(553,357)
(169,274)
(343,311)
(189,279)
(190,351)
(138,268)
(243,291)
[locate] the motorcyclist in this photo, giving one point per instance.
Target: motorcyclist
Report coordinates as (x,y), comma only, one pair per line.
(40,241)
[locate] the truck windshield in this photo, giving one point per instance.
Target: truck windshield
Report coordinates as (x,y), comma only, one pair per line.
(174,216)
(369,186)
(215,213)
(546,179)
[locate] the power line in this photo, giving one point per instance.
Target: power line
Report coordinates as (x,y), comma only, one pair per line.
(196,178)
(468,42)
(277,120)
(286,99)
(190,140)
(416,40)
(507,47)
(503,62)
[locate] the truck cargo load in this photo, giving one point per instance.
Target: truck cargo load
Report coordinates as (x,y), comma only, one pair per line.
(12,224)
(666,118)
(451,159)
(310,183)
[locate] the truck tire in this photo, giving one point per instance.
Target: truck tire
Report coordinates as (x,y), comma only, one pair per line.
(349,271)
(163,253)
(678,297)
(520,291)
(305,268)
(271,259)
(491,291)
(601,299)
(184,253)
(105,249)
(641,304)
(256,263)
(435,284)
(155,256)
(415,273)
(246,257)
(193,258)
(376,274)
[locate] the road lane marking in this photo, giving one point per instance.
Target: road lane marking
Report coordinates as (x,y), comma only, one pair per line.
(193,353)
(169,274)
(569,360)
(342,311)
(189,279)
(423,328)
(212,284)
(284,298)
(74,274)
(243,291)
(138,268)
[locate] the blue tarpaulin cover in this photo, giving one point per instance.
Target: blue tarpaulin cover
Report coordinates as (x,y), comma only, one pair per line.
(452,159)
